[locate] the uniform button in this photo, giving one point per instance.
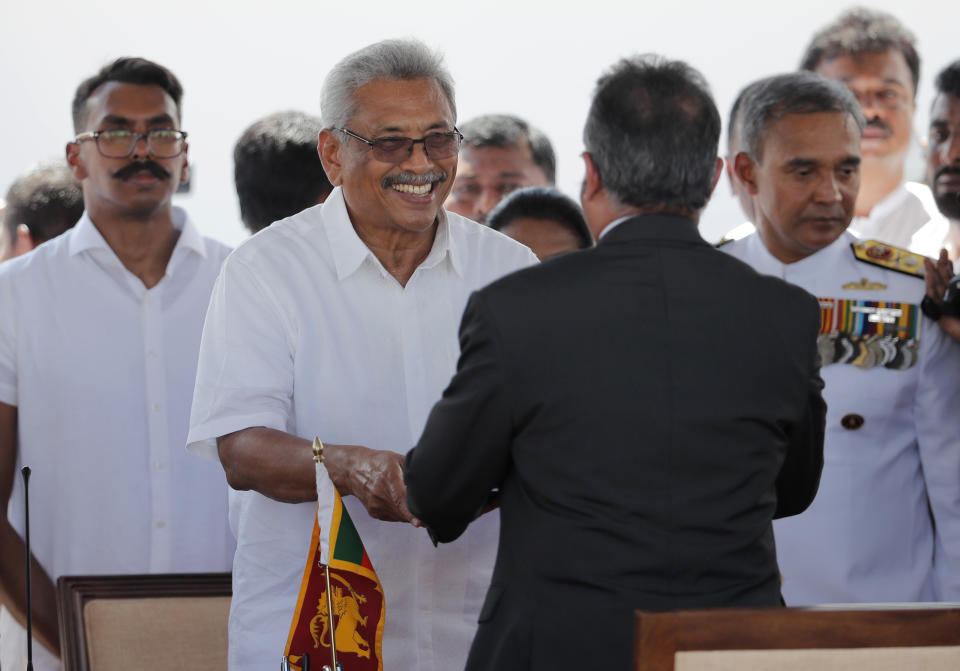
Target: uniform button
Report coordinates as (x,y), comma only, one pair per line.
(147,300)
(156,406)
(852,421)
(158,465)
(161,525)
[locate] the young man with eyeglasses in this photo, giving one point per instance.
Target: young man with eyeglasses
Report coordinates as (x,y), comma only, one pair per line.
(98,348)
(341,322)
(876,57)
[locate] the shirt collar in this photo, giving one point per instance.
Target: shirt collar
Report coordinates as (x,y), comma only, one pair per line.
(349,251)
(833,254)
(85,236)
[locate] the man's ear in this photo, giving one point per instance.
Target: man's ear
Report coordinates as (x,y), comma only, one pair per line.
(592,184)
(329,148)
(24,241)
(74,162)
(746,171)
(185,170)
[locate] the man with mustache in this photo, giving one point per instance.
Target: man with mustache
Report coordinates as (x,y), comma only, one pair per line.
(501,153)
(98,345)
(876,58)
(341,322)
(885,525)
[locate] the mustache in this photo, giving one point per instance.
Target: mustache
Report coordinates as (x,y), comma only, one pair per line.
(414,178)
(877,122)
(946,170)
(155,169)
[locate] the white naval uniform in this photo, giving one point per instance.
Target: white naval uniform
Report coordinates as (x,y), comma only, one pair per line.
(885,525)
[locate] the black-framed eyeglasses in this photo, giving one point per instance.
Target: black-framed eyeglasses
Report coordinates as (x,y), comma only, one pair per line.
(119,143)
(399,149)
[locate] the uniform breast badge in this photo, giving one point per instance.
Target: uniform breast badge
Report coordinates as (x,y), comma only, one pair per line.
(868,334)
(865,285)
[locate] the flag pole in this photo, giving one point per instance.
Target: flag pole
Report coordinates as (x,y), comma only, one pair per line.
(25,472)
(333,629)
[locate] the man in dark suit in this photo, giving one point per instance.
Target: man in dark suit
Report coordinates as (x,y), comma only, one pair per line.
(645,407)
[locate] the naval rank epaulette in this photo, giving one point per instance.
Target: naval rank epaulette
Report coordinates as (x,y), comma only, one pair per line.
(721,242)
(887,256)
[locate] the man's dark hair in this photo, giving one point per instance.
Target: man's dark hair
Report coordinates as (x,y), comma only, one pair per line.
(773,98)
(504,130)
(948,81)
(541,202)
(859,31)
(653,132)
(277,170)
(46,199)
(129,71)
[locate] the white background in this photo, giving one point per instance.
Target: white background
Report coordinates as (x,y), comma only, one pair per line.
(239,61)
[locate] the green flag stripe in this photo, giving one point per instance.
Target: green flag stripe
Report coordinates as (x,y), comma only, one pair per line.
(349,546)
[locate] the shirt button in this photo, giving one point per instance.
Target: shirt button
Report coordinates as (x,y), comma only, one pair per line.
(147,300)
(152,353)
(161,525)
(156,406)
(852,422)
(158,465)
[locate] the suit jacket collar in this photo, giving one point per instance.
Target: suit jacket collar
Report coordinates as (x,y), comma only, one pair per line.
(653,227)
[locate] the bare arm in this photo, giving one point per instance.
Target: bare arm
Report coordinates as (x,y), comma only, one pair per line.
(280,466)
(12,549)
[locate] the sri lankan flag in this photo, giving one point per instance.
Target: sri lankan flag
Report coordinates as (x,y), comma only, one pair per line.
(356,596)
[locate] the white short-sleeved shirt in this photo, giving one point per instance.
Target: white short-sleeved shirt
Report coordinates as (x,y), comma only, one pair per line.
(885,524)
(101,371)
(898,216)
(309,334)
(934,236)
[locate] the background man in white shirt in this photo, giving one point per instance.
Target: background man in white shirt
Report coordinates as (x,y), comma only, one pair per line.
(341,322)
(876,57)
(98,346)
(885,525)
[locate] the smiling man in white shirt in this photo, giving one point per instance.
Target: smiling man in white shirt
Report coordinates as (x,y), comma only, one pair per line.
(341,322)
(98,347)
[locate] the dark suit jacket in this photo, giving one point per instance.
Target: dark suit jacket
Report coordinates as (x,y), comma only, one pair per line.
(645,408)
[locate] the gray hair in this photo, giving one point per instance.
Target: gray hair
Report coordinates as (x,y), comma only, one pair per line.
(506,130)
(735,123)
(653,132)
(773,98)
(390,59)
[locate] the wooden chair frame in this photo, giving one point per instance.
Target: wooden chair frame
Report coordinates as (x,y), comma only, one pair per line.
(658,636)
(73,593)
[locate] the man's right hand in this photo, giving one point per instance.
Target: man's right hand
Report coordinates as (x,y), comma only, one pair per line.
(280,466)
(373,476)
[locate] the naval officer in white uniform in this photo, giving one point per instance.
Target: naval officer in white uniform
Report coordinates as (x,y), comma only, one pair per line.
(885,525)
